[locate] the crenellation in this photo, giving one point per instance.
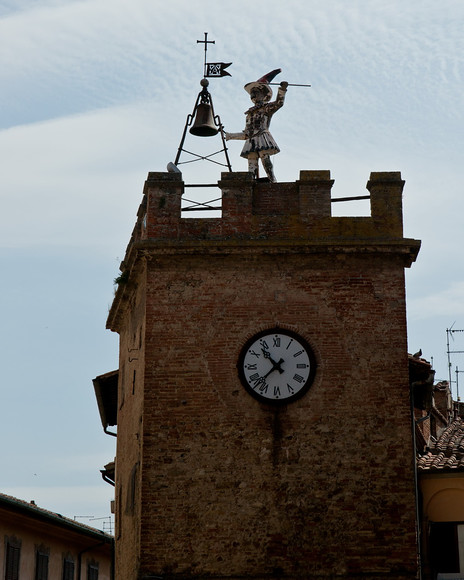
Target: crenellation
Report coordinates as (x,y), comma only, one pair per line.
(315,191)
(251,209)
(386,189)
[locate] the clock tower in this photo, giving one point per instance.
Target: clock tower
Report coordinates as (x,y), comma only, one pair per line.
(264,425)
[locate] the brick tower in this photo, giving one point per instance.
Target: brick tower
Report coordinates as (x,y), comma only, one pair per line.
(264,424)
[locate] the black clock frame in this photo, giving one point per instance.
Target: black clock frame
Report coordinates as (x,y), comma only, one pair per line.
(312,366)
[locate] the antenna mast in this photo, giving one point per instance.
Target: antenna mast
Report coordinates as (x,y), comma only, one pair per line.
(449,334)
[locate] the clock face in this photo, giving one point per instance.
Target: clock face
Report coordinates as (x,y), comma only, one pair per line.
(277,365)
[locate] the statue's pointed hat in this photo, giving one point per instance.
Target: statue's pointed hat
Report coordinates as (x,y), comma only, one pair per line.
(264,82)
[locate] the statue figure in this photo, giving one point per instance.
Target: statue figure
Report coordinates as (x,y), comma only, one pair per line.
(259,143)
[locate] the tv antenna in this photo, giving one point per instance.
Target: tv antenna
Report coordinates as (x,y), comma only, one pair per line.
(449,335)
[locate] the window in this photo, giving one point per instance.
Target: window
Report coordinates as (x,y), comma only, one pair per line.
(447,549)
(92,572)
(68,569)
(41,565)
(13,550)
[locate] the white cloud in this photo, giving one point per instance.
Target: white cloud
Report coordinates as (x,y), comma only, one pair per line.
(74,180)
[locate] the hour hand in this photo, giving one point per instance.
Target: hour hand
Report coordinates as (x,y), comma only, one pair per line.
(275,365)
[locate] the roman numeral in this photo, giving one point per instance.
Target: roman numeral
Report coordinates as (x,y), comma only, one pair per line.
(298,353)
(254,367)
(276,392)
(264,387)
(276,341)
(298,378)
(260,383)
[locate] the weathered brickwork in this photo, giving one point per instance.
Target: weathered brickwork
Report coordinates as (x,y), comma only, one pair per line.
(214,484)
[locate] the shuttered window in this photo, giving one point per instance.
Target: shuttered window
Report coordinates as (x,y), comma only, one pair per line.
(92,572)
(13,551)
(41,567)
(68,569)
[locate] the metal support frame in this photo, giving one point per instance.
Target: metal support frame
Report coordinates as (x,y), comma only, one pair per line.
(204,98)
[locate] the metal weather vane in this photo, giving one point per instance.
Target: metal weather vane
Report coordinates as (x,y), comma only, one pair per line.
(203,122)
(213,69)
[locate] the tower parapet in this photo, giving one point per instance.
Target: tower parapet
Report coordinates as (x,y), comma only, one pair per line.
(287,217)
(250,209)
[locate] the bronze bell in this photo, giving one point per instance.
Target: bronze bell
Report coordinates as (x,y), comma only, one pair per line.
(204,125)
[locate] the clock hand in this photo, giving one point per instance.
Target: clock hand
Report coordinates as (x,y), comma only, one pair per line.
(275,365)
(267,354)
(269,372)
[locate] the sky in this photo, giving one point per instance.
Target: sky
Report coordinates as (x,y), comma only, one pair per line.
(95,94)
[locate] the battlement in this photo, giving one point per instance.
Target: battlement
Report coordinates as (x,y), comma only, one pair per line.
(254,210)
(293,215)
(260,217)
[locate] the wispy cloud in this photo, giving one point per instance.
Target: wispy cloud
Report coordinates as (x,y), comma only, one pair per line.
(79,174)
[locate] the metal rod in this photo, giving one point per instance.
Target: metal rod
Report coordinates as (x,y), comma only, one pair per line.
(205,203)
(448,352)
(210,208)
(334,199)
(290,85)
(205,42)
(201,185)
(457,384)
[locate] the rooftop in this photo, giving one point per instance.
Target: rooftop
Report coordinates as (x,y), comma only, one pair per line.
(445,454)
(29,509)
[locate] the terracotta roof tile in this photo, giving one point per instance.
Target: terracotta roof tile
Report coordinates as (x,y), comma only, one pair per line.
(446,453)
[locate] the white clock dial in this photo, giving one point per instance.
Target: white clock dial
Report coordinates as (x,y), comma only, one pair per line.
(277,365)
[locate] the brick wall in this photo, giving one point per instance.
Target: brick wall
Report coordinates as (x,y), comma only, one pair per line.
(130,424)
(231,487)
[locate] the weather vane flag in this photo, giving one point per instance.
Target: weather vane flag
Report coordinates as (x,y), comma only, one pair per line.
(217,69)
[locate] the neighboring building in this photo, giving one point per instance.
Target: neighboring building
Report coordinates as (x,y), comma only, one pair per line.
(228,465)
(440,468)
(41,545)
